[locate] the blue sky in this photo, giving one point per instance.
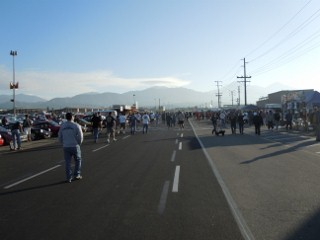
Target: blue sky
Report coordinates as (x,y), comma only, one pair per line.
(68,47)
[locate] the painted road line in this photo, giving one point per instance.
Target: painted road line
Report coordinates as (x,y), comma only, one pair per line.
(176,180)
(163,197)
(312,145)
(180,145)
(97,149)
(245,230)
(33,176)
(181,135)
(173,157)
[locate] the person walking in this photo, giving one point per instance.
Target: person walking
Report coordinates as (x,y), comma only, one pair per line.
(181,120)
(289,120)
(27,123)
(214,120)
(145,122)
(132,122)
(16,131)
(96,121)
(258,122)
(110,123)
(233,122)
(240,122)
(122,122)
(270,120)
(276,117)
(4,121)
(71,137)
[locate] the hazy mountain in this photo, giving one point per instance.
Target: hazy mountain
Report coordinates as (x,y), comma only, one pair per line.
(21,98)
(151,97)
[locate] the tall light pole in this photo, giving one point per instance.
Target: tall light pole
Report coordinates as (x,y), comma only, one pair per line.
(14,85)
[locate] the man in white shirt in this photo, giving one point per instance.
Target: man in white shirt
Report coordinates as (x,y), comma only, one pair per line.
(122,121)
(145,122)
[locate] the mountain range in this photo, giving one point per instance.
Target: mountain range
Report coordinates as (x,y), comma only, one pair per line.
(151,97)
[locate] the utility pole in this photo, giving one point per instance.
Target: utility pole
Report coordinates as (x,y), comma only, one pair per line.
(231,92)
(245,82)
(238,95)
(219,94)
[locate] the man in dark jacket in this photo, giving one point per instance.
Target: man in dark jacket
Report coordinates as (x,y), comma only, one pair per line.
(258,122)
(96,121)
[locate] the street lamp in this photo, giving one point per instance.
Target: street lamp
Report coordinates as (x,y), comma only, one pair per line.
(14,85)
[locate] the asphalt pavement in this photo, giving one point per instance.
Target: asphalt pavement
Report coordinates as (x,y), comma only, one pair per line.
(167,184)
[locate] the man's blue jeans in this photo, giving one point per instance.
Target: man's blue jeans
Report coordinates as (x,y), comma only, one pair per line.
(69,153)
(16,138)
(95,134)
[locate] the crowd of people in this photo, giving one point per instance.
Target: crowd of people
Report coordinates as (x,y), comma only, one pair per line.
(272,119)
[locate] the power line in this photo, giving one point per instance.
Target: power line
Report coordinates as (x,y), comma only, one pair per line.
(278,31)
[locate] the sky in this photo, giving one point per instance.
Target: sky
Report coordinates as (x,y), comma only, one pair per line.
(69,47)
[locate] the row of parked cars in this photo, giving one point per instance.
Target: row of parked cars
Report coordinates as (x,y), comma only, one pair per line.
(41,129)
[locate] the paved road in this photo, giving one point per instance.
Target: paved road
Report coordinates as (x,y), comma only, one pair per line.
(167,184)
(147,186)
(273,178)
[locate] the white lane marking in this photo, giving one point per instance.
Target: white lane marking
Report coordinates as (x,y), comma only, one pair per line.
(97,149)
(176,180)
(33,176)
(245,231)
(173,157)
(126,137)
(163,197)
(318,152)
(181,135)
(312,145)
(180,145)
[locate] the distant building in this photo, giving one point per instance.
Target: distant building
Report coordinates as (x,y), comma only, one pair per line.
(296,101)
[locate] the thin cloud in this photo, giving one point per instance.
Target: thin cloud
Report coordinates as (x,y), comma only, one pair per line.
(49,85)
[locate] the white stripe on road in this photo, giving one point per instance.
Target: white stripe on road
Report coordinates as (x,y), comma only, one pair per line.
(100,148)
(180,145)
(126,137)
(173,157)
(175,186)
(33,176)
(245,231)
(163,197)
(181,135)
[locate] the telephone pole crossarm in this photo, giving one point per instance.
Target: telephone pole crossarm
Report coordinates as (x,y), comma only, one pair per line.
(245,82)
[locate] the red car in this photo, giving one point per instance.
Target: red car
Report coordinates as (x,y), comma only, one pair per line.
(1,141)
(5,136)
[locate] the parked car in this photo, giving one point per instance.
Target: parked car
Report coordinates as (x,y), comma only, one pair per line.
(46,125)
(85,125)
(39,133)
(6,135)
(23,136)
(1,141)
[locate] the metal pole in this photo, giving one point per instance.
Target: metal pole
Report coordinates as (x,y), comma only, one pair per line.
(13,54)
